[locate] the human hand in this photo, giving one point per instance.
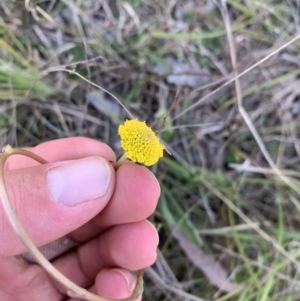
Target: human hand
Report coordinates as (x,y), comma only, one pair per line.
(88,202)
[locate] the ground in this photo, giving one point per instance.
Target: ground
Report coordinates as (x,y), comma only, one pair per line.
(228,216)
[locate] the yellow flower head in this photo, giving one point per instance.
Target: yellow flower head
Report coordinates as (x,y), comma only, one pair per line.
(139,142)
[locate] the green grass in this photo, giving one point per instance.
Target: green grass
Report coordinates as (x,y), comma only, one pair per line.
(46,71)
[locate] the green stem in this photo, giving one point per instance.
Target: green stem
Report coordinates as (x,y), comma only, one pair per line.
(120,161)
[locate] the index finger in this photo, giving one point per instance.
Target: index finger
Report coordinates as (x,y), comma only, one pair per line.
(63,150)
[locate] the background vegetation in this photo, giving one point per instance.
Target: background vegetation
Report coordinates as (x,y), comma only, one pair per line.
(228,216)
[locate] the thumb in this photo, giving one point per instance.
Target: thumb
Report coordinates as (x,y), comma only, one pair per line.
(54,199)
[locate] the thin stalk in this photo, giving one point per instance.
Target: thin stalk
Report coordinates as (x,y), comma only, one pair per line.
(120,161)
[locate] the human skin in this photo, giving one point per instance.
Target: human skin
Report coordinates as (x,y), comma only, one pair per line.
(113,235)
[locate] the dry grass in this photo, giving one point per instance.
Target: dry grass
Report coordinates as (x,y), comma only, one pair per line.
(231,185)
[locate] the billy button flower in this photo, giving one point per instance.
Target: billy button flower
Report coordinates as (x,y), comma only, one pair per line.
(139,142)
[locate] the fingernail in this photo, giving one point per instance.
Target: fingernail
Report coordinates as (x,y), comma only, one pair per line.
(79,181)
(130,281)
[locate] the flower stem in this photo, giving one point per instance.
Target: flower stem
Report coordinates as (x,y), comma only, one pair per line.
(120,161)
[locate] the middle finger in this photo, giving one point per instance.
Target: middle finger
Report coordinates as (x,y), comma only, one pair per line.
(131,246)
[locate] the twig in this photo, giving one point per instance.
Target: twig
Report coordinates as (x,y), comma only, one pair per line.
(174,103)
(193,106)
(157,280)
(35,9)
(197,125)
(241,108)
(247,220)
(224,230)
(63,69)
(258,264)
(258,139)
(262,170)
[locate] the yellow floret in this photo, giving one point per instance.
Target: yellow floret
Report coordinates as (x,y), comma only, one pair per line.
(139,142)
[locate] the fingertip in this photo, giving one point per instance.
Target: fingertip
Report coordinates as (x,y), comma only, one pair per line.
(143,187)
(155,235)
(138,242)
(115,283)
(63,150)
(74,148)
(141,171)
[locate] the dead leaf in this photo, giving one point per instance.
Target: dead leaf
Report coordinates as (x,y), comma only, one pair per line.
(212,269)
(182,73)
(104,105)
